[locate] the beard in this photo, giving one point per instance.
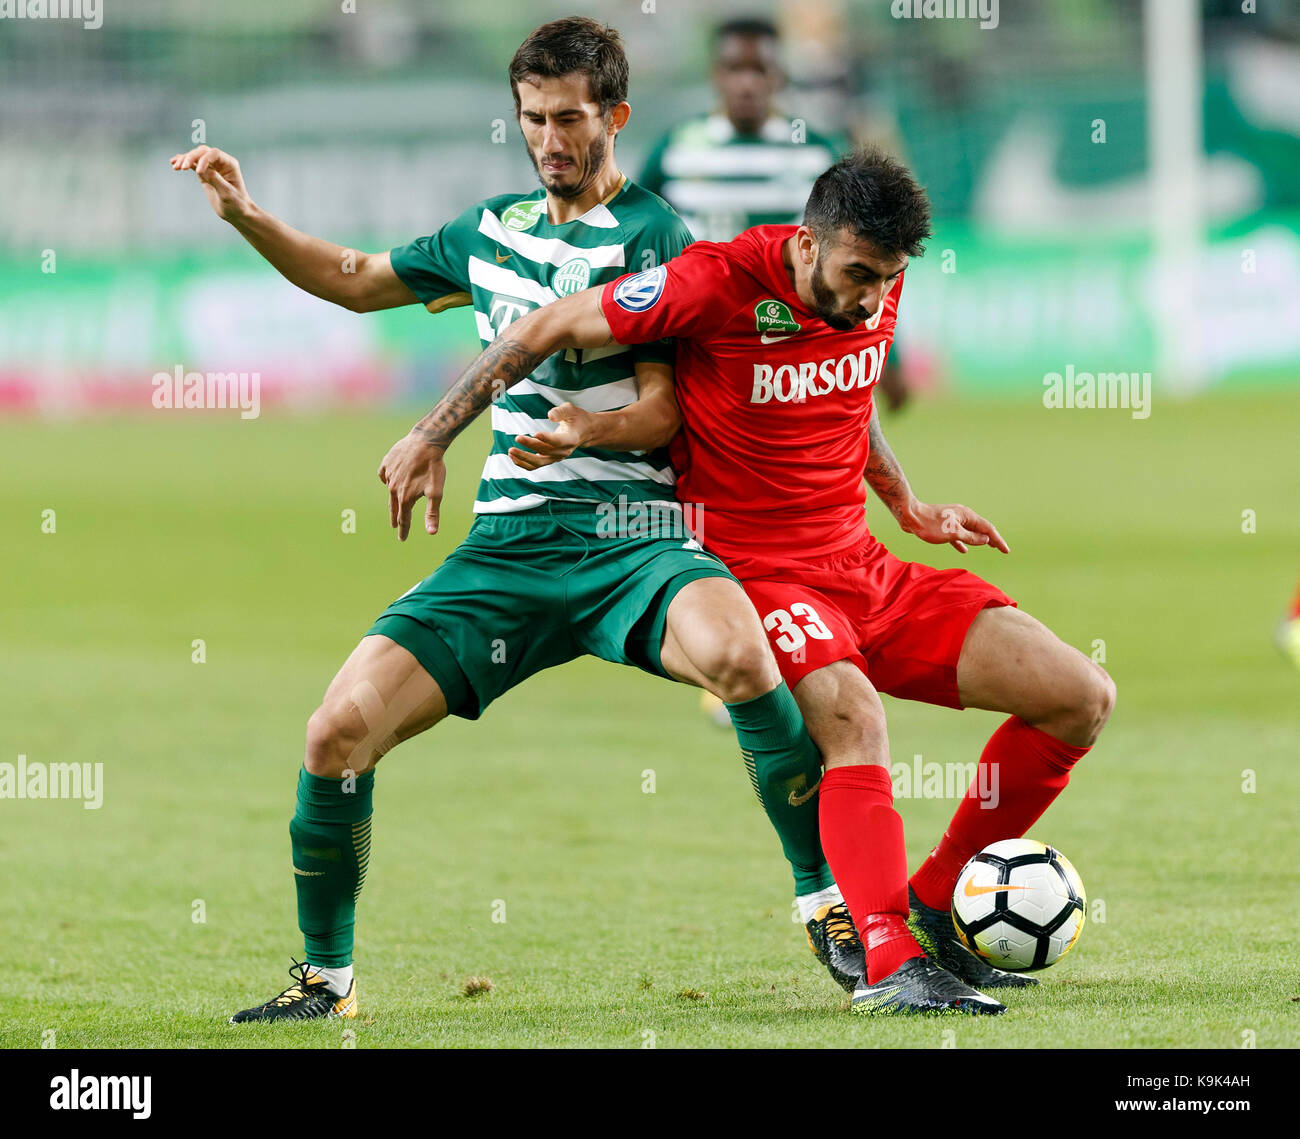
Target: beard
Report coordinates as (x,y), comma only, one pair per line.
(588,170)
(824,301)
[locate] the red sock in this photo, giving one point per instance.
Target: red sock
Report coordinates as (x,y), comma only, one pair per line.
(862,837)
(1021,770)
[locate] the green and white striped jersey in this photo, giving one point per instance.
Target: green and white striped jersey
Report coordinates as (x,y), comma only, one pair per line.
(505,258)
(723,182)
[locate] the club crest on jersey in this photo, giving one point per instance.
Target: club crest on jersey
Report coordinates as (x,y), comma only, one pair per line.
(774,316)
(571,277)
(641,290)
(524,215)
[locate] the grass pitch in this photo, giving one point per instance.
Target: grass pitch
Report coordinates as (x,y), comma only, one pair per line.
(630,918)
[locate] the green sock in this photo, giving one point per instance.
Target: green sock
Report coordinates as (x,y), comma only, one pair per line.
(330,834)
(784,763)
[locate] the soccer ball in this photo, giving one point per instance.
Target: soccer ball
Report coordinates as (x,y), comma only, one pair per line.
(1019,905)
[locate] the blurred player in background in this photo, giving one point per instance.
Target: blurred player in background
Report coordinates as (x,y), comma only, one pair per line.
(541,579)
(1288,633)
(745,163)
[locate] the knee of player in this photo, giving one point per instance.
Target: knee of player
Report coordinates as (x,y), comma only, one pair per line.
(1100,697)
(1091,702)
(333,733)
(742,669)
(861,728)
(846,718)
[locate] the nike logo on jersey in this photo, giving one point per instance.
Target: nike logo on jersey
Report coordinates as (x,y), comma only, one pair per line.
(502,259)
(768,339)
(973,891)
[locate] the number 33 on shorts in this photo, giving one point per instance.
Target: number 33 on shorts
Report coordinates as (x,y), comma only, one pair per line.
(794,626)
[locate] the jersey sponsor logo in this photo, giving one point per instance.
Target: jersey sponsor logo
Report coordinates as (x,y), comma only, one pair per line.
(795,383)
(524,215)
(504,311)
(571,277)
(772,316)
(641,290)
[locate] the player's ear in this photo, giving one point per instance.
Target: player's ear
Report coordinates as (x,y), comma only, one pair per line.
(619,115)
(806,243)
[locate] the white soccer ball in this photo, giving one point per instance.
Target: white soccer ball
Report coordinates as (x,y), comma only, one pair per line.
(1019,905)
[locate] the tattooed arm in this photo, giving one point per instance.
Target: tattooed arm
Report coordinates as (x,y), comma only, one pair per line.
(413,467)
(952,523)
(885,476)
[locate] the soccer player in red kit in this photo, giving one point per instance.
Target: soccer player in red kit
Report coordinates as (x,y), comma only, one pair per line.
(781,338)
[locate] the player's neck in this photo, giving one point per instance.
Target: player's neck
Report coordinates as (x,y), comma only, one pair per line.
(787,259)
(561,210)
(746,128)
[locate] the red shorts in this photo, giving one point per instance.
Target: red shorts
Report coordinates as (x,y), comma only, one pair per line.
(902,623)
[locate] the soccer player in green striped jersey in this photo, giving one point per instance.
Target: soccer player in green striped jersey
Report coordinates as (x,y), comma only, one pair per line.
(590,556)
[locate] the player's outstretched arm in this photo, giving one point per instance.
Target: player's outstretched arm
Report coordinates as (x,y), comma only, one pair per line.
(950,523)
(361,282)
(413,467)
(650,422)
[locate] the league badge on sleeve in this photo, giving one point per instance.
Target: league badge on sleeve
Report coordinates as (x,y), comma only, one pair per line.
(641,290)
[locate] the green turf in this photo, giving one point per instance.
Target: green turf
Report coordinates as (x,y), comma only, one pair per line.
(631,918)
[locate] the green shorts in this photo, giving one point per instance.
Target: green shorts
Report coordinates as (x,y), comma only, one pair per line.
(531,590)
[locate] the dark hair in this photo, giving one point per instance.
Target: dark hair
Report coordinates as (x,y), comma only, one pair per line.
(876,198)
(745,26)
(575,43)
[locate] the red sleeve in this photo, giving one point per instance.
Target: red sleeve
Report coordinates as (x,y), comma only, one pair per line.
(681,298)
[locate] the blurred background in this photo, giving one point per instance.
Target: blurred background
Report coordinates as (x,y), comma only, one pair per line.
(1088,193)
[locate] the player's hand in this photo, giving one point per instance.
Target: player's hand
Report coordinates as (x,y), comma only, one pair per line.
(957,525)
(221,177)
(413,469)
(573,426)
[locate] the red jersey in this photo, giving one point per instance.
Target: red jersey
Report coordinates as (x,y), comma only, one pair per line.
(775,403)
